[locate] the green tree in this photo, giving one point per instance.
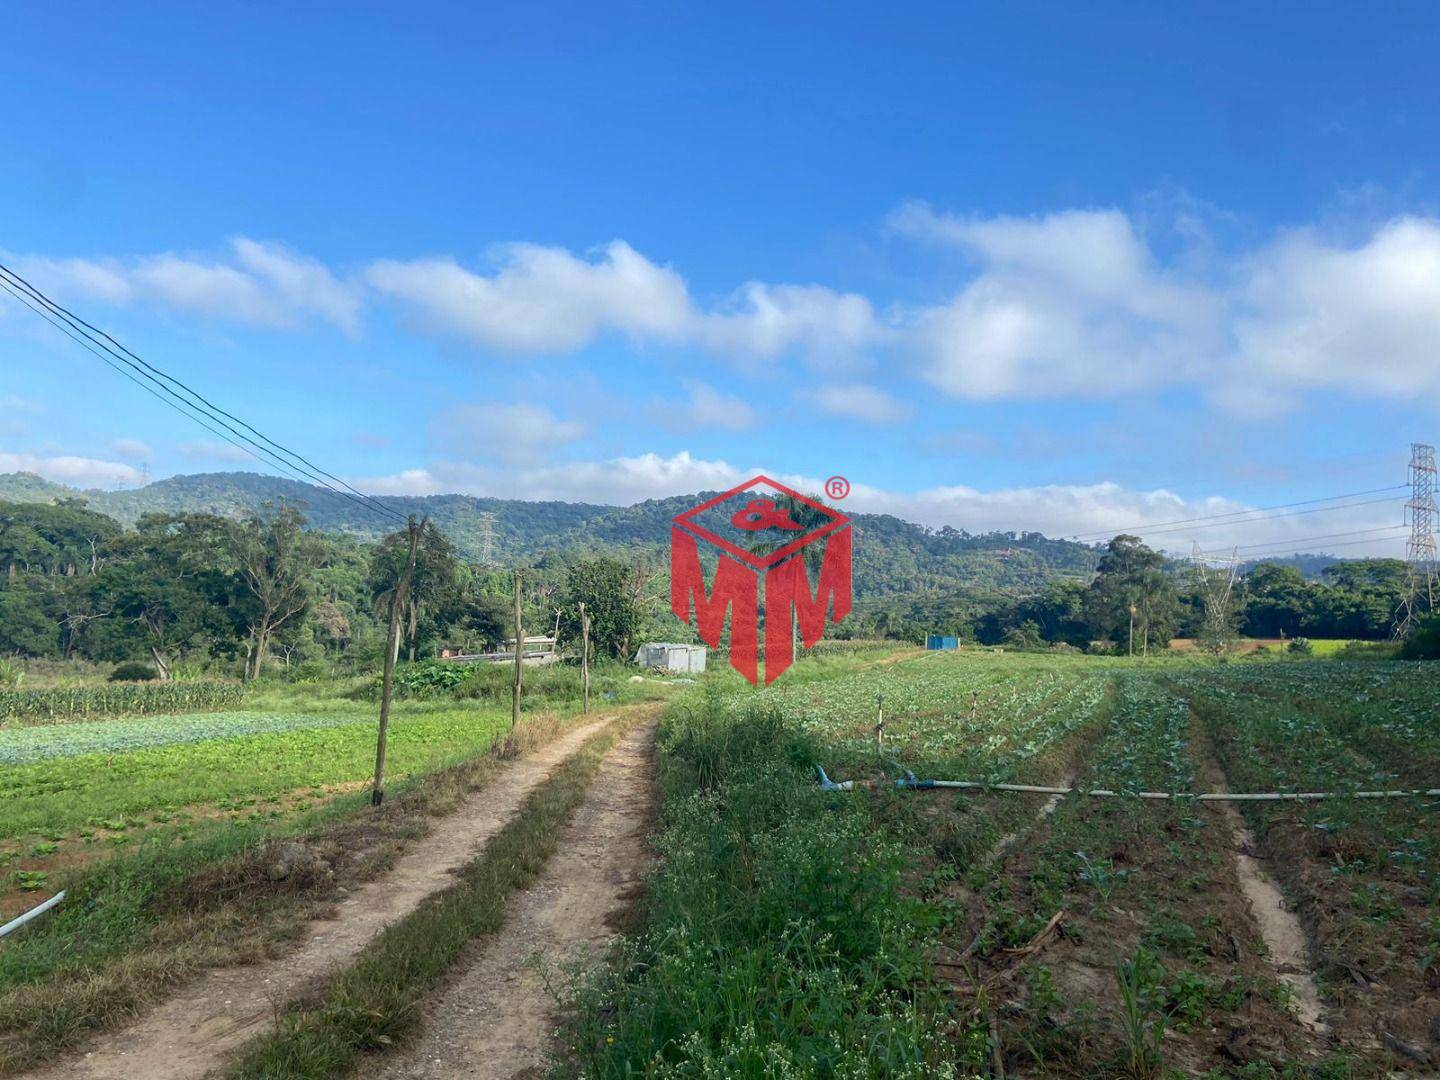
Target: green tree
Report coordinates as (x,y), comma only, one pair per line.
(605,586)
(275,558)
(172,584)
(433,588)
(1131,588)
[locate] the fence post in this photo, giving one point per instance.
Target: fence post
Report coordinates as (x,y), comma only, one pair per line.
(519,657)
(584,658)
(397,599)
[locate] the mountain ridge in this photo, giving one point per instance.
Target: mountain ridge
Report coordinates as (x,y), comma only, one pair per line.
(900,556)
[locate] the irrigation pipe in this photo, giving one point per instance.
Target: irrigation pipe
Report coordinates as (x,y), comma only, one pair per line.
(38,909)
(910,781)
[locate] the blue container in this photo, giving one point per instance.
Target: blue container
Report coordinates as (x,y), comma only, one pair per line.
(942,641)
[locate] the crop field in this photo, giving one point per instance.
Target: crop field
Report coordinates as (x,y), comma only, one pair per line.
(896,932)
(76,792)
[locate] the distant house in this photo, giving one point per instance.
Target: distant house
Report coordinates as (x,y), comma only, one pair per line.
(671,657)
(536,649)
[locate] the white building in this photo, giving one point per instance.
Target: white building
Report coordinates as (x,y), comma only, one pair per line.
(671,657)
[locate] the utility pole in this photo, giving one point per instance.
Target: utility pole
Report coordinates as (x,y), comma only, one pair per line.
(584,658)
(519,657)
(1132,630)
(1420,548)
(392,643)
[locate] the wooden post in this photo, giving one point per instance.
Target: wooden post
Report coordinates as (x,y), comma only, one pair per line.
(584,658)
(1132,630)
(519,657)
(879,723)
(397,600)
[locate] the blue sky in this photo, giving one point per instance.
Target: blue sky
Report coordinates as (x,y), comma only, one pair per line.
(1028,266)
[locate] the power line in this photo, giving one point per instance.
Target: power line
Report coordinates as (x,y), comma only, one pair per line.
(198,403)
(1219,553)
(1289,549)
(1164,526)
(281,457)
(179,405)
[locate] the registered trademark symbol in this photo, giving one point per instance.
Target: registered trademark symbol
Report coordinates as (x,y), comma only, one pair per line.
(837,487)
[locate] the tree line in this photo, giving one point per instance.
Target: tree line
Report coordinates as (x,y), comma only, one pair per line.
(262,590)
(1139,599)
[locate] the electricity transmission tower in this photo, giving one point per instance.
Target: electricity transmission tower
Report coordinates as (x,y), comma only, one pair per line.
(487,539)
(1216,587)
(1420,548)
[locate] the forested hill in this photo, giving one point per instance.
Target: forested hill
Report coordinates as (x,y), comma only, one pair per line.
(896,556)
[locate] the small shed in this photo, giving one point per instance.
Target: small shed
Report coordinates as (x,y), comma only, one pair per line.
(672,657)
(941,641)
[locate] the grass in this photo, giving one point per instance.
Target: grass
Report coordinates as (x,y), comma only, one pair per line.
(780,940)
(377,1002)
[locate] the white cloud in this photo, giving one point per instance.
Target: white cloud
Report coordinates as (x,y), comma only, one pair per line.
(132,449)
(1363,318)
(547,301)
(859,401)
(211,450)
(1071,303)
(14,403)
(510,432)
(1056,510)
(80,472)
(260,283)
(766,322)
(541,300)
(705,408)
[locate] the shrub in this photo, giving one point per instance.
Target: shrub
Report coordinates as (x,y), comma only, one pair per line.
(1301,646)
(1368,650)
(311,671)
(1423,642)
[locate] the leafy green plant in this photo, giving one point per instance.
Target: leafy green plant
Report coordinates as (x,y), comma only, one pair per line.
(31,880)
(1101,875)
(132,671)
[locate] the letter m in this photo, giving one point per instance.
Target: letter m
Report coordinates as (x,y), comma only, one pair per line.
(736,589)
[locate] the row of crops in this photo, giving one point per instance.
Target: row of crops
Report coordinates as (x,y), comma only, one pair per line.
(1364,875)
(1159,961)
(116,699)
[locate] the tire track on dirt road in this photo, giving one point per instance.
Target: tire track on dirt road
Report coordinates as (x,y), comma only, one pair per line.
(192,1032)
(495,1015)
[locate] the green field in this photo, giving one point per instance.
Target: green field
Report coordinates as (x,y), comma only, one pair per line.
(897,932)
(789,930)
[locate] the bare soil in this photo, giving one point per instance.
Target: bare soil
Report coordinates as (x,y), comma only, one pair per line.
(191,1032)
(1279,927)
(495,1016)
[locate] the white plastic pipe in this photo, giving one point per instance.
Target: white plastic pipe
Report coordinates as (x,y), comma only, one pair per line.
(910,781)
(38,909)
(1266,796)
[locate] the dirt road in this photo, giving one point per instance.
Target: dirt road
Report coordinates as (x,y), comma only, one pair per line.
(494,1017)
(192,1032)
